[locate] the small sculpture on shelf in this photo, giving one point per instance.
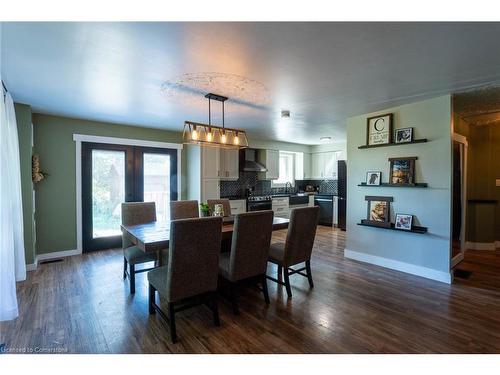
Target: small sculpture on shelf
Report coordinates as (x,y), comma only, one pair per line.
(37,174)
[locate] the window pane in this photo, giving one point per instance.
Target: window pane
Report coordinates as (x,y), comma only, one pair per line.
(108,192)
(157,183)
(286,168)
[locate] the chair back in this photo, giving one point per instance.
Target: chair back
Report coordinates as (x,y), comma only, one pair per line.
(134,213)
(193,257)
(250,244)
(300,235)
(184,210)
(225,204)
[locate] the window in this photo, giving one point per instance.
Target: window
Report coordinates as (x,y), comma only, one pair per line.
(286,169)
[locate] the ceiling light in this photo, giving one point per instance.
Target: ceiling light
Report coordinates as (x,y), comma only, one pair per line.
(325,139)
(215,136)
(285,113)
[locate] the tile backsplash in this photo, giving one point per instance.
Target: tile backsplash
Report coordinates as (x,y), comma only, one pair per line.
(262,187)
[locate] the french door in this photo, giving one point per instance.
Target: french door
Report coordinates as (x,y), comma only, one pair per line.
(113,174)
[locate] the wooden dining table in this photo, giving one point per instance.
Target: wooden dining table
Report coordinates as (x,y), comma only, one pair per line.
(155,235)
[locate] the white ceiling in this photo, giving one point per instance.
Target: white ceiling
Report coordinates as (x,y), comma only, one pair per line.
(322,72)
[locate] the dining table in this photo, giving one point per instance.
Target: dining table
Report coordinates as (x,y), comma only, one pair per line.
(155,235)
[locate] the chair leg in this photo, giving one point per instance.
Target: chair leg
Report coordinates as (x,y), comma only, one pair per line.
(215,309)
(287,282)
(132,279)
(309,274)
(280,272)
(151,300)
(124,268)
(264,289)
(234,297)
(171,321)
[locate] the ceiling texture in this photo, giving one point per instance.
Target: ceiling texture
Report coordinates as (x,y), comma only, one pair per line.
(155,74)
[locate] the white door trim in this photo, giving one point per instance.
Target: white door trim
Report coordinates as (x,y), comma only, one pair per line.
(79,138)
(463,163)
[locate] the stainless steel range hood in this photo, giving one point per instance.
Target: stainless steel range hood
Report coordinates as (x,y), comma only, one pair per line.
(251,164)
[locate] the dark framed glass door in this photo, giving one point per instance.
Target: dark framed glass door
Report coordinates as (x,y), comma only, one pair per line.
(113,174)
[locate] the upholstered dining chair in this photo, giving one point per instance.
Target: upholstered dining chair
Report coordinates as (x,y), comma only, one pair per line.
(247,260)
(297,248)
(191,274)
(184,210)
(225,205)
(134,213)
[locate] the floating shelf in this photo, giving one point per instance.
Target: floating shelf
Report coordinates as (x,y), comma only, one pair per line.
(414,229)
(386,184)
(423,140)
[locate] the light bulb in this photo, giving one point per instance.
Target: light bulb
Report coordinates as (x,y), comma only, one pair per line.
(223,138)
(209,137)
(236,139)
(194,134)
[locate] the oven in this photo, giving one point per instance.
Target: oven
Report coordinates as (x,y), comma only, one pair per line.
(259,203)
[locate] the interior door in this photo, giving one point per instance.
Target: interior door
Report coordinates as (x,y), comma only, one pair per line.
(113,174)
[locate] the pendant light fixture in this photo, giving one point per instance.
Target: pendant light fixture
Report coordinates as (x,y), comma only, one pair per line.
(211,135)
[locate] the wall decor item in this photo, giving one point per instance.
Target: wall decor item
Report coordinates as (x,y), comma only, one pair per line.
(373,178)
(37,174)
(403,221)
(404,135)
(378,211)
(379,130)
(402,171)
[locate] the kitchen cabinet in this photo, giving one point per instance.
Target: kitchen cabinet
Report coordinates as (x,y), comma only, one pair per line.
(210,189)
(271,160)
(324,165)
(219,163)
(281,207)
(238,206)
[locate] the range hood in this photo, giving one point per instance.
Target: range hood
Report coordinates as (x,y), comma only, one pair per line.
(250,161)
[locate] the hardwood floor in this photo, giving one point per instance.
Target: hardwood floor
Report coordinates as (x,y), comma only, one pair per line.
(82,305)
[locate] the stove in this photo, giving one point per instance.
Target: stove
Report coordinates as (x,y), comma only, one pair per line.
(259,202)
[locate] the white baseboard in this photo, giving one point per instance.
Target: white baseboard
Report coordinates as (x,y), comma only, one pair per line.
(482,245)
(49,256)
(429,273)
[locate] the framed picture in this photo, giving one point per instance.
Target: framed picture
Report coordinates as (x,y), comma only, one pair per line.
(373,178)
(378,211)
(402,171)
(403,221)
(403,135)
(379,130)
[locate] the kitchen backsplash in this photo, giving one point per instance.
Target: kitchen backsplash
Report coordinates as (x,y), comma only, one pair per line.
(262,187)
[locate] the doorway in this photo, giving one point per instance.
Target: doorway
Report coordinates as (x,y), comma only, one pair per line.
(115,173)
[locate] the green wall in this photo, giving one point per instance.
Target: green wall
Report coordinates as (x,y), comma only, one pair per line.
(24,131)
(427,254)
(56,195)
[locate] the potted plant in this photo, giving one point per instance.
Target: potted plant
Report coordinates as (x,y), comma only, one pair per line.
(205,209)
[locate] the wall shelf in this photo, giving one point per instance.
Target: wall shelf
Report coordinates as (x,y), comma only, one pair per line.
(423,140)
(386,184)
(414,229)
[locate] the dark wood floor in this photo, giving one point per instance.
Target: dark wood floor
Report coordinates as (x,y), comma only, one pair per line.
(82,305)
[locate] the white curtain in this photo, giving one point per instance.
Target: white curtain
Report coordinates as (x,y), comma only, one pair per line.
(12,262)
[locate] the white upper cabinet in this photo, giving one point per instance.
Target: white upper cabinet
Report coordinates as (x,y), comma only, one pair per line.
(324,165)
(271,160)
(219,163)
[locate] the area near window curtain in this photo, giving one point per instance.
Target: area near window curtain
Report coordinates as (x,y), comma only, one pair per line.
(12,262)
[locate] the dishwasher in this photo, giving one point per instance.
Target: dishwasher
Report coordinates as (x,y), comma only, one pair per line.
(326,204)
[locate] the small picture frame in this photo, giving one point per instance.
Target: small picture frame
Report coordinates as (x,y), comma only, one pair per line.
(378,211)
(404,135)
(403,221)
(373,178)
(402,171)
(379,130)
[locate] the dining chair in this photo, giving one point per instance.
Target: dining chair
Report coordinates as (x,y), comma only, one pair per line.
(184,210)
(225,205)
(134,213)
(247,260)
(190,278)
(297,247)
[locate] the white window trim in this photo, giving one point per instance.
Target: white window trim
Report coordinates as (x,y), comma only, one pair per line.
(280,184)
(79,138)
